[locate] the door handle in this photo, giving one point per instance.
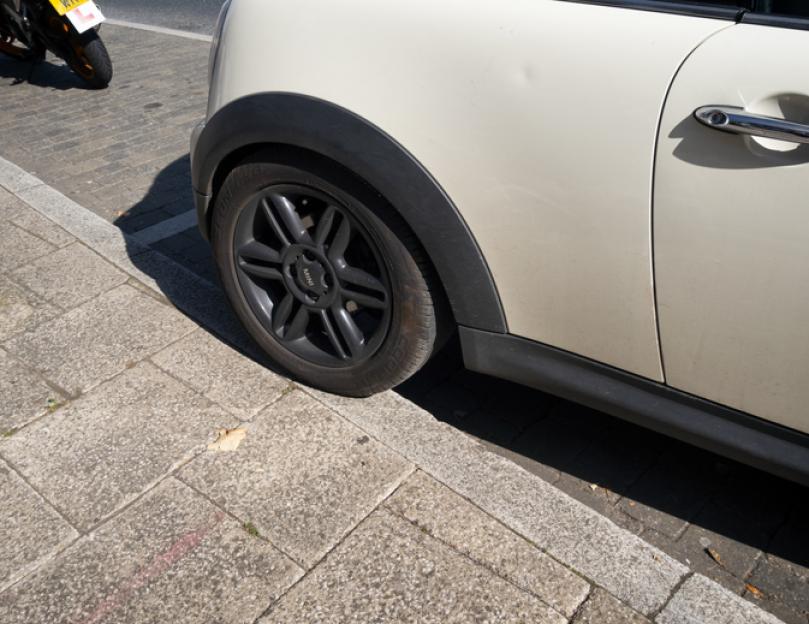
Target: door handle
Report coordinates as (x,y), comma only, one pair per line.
(738,121)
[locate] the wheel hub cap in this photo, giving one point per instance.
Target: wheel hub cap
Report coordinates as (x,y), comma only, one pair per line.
(308,275)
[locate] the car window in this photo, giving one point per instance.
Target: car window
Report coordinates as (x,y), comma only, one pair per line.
(795,8)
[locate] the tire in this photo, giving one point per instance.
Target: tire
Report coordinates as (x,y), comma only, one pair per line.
(381,253)
(91,61)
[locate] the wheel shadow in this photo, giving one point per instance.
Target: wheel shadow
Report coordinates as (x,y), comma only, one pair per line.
(728,521)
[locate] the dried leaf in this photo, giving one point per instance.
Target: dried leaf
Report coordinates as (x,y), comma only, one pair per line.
(228,439)
(757,593)
(715,556)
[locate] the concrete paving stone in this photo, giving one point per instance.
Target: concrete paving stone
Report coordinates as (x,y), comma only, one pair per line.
(443,514)
(700,600)
(782,583)
(24,394)
(70,276)
(389,571)
(556,441)
(303,476)
(579,537)
(699,561)
(615,459)
(543,471)
(601,608)
(738,557)
(673,491)
(13,177)
(222,374)
(96,233)
(790,545)
(600,499)
(100,338)
(171,557)
(105,449)
(30,220)
(17,247)
(32,529)
(20,309)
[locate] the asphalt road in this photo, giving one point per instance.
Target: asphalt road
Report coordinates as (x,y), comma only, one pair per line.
(193,15)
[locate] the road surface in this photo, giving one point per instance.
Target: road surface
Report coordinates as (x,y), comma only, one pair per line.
(196,16)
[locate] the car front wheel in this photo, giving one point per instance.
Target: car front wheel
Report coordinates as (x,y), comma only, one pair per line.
(324,274)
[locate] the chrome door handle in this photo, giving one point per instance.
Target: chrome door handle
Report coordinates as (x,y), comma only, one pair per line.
(738,121)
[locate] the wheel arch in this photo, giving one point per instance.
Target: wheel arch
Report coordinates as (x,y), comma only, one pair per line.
(257,122)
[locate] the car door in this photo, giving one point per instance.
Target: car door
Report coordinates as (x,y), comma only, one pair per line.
(731,219)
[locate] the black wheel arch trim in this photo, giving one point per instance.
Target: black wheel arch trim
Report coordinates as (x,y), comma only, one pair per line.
(335,133)
(728,432)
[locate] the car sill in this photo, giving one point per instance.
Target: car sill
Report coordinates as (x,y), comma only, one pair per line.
(728,432)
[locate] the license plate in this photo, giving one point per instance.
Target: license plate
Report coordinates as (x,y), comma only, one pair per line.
(63,6)
(85,16)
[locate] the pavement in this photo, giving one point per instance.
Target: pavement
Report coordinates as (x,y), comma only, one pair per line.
(456,498)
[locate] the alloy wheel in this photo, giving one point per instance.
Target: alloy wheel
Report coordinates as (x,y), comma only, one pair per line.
(312,275)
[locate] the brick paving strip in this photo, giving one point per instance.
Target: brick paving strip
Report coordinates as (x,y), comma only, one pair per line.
(332,509)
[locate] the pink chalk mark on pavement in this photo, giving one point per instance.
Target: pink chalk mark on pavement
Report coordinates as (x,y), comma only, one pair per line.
(159,564)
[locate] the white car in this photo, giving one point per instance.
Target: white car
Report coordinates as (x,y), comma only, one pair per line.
(608,199)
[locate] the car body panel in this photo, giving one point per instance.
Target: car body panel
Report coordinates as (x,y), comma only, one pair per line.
(537,117)
(731,229)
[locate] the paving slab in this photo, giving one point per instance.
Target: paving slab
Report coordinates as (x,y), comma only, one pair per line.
(20,309)
(18,247)
(31,221)
(171,557)
(303,476)
(601,608)
(70,276)
(700,600)
(450,518)
(388,570)
(32,530)
(100,338)
(570,532)
(105,449)
(25,396)
(780,582)
(222,374)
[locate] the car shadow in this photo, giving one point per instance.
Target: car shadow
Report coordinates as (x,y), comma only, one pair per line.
(47,74)
(718,515)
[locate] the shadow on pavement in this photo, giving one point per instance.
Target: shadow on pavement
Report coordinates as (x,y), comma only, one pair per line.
(46,74)
(719,517)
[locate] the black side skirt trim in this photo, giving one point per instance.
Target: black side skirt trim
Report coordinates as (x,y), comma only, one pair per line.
(734,434)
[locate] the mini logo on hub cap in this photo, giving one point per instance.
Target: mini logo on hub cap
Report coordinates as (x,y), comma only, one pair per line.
(311,276)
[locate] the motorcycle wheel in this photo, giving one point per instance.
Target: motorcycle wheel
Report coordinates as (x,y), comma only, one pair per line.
(91,61)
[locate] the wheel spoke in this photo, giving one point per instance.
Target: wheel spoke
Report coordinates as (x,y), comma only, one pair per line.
(259,270)
(281,313)
(349,330)
(365,300)
(332,334)
(324,227)
(297,328)
(340,243)
(266,209)
(358,277)
(259,251)
(289,215)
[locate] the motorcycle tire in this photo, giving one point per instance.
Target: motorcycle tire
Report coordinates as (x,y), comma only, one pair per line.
(91,61)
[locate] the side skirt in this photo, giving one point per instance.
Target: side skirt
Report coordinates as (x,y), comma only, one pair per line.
(722,430)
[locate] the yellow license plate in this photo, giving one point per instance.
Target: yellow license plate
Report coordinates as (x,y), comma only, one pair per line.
(63,6)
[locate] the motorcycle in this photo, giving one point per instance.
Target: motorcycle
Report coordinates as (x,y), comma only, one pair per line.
(68,28)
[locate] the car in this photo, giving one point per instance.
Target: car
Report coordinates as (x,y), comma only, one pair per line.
(607,200)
